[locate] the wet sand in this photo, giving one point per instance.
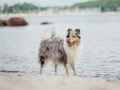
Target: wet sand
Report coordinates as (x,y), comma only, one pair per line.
(42,82)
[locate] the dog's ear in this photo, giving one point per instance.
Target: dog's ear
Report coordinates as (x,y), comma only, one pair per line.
(69,31)
(77,31)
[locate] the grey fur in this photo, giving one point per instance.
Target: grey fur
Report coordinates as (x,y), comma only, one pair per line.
(52,49)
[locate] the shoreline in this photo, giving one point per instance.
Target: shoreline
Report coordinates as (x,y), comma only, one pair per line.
(71,14)
(42,82)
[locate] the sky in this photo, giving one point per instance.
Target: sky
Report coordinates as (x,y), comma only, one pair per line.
(43,2)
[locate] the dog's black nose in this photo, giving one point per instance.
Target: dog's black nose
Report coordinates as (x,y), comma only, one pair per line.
(68,41)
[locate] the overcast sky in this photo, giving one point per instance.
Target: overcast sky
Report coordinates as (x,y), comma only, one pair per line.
(43,2)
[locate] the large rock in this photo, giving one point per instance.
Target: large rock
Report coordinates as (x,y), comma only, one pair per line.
(16,21)
(3,22)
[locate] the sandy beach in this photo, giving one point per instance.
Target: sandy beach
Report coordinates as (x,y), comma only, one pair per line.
(42,82)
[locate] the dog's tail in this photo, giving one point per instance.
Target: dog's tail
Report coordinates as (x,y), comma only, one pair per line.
(49,33)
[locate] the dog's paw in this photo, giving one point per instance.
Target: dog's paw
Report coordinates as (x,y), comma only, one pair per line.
(74,74)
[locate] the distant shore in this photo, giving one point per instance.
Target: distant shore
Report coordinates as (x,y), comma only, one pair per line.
(41,82)
(63,14)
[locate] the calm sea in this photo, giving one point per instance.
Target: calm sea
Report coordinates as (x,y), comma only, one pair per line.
(101,37)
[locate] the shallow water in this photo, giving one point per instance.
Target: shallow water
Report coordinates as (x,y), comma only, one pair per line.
(101,37)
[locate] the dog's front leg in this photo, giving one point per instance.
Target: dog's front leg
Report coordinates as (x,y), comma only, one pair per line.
(74,69)
(67,69)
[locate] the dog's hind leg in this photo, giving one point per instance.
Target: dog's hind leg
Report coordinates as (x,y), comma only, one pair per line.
(41,67)
(56,66)
(74,69)
(43,62)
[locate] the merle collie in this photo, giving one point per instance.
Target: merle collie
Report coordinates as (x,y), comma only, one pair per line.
(60,51)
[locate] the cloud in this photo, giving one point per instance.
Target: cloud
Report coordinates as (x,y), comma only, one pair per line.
(43,2)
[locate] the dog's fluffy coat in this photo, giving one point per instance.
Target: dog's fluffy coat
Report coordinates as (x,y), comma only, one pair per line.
(60,51)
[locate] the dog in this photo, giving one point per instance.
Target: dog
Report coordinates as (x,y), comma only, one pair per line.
(60,51)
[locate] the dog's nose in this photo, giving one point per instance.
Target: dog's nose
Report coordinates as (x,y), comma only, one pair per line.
(68,41)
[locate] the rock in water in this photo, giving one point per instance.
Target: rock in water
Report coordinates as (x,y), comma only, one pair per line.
(46,23)
(16,21)
(3,22)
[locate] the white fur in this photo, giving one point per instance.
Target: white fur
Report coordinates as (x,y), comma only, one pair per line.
(74,52)
(49,33)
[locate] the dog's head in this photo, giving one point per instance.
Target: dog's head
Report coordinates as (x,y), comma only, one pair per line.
(73,37)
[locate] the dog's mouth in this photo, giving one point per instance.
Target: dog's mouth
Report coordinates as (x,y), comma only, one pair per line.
(71,44)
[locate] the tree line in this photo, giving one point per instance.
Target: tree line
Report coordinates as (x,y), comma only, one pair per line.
(104,5)
(22,8)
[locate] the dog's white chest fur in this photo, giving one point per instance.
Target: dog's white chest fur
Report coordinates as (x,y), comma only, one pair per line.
(73,53)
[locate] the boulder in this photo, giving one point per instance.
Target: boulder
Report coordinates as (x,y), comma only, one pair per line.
(46,23)
(16,21)
(3,22)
